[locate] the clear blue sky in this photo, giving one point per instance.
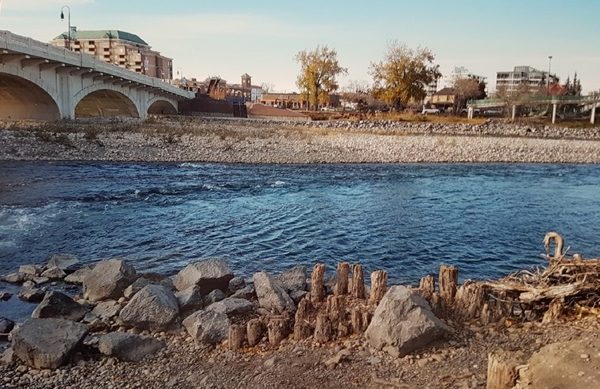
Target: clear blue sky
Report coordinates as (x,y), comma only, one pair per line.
(229,38)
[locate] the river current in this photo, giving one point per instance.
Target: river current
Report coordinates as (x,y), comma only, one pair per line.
(407,219)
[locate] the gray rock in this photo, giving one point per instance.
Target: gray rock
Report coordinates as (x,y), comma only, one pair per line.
(8,357)
(40,280)
(236,283)
(191,298)
(58,305)
(6,325)
(54,273)
(213,297)
(231,306)
(129,347)
(209,274)
(294,279)
(298,295)
(247,292)
(271,295)
(47,343)
(29,271)
(207,326)
(108,280)
(137,285)
(106,309)
(64,262)
(5,296)
(32,295)
(154,307)
(29,284)
(78,276)
(13,278)
(403,320)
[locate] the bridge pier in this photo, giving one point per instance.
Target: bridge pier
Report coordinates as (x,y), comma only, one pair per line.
(514,112)
(593,116)
(470,113)
(554,108)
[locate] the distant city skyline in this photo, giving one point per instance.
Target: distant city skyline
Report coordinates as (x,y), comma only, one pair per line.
(261,38)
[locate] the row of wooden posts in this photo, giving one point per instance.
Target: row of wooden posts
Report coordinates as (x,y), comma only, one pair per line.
(348,310)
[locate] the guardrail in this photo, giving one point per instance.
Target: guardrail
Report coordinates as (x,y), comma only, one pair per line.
(489,103)
(28,46)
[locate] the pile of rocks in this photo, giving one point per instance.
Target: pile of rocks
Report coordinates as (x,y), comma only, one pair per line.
(125,315)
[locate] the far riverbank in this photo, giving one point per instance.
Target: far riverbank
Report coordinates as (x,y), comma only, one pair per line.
(180,139)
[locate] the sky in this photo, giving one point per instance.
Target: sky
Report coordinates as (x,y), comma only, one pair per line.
(261,38)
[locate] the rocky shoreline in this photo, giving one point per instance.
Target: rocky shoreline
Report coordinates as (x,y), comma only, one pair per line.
(205,327)
(183,139)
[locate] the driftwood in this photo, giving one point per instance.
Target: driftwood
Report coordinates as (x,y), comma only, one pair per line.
(379,280)
(358,282)
(342,273)
(317,286)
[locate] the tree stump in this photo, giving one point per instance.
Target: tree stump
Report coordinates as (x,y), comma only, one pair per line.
(323,329)
(302,327)
(469,300)
(359,320)
(344,329)
(317,286)
(358,282)
(427,286)
(448,281)
(341,285)
(437,304)
(237,335)
(378,286)
(555,309)
(277,329)
(486,315)
(255,330)
(502,372)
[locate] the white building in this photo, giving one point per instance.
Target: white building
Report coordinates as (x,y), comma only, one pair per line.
(524,77)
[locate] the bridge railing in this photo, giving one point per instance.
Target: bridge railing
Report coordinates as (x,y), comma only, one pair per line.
(29,46)
(533,100)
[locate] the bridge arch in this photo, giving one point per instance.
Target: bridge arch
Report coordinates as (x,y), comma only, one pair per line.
(161,106)
(104,100)
(21,98)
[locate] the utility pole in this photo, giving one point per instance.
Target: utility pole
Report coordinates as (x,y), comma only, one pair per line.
(62,17)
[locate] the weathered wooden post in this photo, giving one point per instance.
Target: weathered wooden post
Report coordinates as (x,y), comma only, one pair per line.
(341,285)
(237,335)
(360,320)
(378,286)
(277,329)
(302,328)
(358,281)
(317,286)
(323,329)
(469,300)
(254,330)
(427,286)
(448,281)
(502,370)
(336,308)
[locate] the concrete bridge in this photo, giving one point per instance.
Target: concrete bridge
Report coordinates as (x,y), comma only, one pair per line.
(43,82)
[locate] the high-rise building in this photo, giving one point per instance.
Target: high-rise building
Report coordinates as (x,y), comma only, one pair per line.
(120,48)
(524,78)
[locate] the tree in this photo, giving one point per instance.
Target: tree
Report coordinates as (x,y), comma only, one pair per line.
(403,74)
(319,69)
(465,88)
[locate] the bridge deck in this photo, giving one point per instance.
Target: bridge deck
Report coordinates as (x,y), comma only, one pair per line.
(15,44)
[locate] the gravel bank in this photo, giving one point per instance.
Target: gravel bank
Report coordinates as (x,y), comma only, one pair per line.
(264,141)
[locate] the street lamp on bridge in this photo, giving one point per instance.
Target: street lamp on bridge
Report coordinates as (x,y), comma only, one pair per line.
(62,17)
(549,69)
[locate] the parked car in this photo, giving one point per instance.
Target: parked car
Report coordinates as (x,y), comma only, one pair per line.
(430,111)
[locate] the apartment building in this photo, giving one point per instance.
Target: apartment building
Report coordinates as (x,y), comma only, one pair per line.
(120,48)
(524,78)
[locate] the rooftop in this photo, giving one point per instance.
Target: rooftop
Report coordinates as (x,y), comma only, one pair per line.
(104,34)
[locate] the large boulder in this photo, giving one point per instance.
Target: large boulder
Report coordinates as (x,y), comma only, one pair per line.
(207,326)
(64,262)
(209,275)
(108,280)
(191,298)
(293,280)
(47,343)
(271,294)
(231,306)
(32,295)
(154,307)
(6,325)
(52,273)
(78,276)
(58,305)
(403,322)
(129,347)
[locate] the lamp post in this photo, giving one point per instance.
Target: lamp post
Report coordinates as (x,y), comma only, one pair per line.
(549,69)
(62,17)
